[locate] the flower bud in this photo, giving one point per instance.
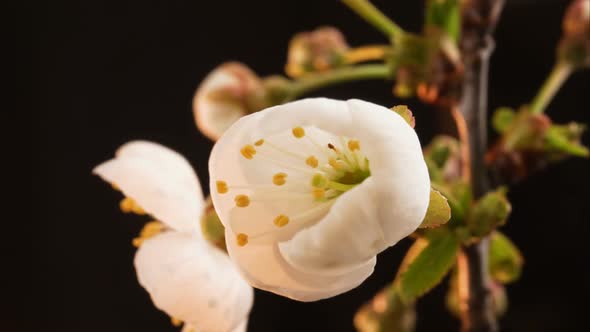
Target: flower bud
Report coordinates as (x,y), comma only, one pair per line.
(229,92)
(574,46)
(318,50)
(531,141)
(577,18)
(386,312)
(489,212)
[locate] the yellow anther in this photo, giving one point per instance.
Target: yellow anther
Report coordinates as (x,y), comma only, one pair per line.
(248,151)
(318,193)
(175,321)
(128,205)
(149,230)
(281,220)
(312,161)
(336,164)
(318,181)
(221,187)
(354,145)
(259,142)
(279,179)
(298,132)
(242,239)
(242,200)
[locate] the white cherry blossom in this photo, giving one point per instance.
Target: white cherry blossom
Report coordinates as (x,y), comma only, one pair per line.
(186,277)
(311,191)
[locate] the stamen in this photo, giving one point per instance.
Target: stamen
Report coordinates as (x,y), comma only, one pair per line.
(242,200)
(221,187)
(175,321)
(319,181)
(279,179)
(248,151)
(128,205)
(336,164)
(242,239)
(312,161)
(284,164)
(149,230)
(318,193)
(259,142)
(298,132)
(281,220)
(285,151)
(354,145)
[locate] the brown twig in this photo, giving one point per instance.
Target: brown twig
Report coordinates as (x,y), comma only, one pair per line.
(479,17)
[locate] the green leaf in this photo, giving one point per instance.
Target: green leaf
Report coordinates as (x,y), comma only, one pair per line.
(489,212)
(429,267)
(445,15)
(438,212)
(405,113)
(502,119)
(505,262)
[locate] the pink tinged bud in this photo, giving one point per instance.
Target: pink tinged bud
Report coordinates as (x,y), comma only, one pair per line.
(229,92)
(317,50)
(577,18)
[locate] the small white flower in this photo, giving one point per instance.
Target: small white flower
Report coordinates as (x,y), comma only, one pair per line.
(229,92)
(311,191)
(186,277)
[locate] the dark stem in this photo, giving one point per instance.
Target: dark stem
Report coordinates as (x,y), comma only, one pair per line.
(479,19)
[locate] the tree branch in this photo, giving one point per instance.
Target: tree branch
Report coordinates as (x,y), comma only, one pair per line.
(479,18)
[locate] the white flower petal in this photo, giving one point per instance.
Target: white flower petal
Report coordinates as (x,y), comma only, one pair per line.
(160,180)
(213,116)
(194,282)
(320,240)
(264,267)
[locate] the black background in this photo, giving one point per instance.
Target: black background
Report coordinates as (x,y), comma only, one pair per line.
(106,72)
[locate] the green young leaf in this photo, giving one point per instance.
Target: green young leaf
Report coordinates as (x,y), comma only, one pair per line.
(405,113)
(502,119)
(505,262)
(489,212)
(565,140)
(429,267)
(445,15)
(438,212)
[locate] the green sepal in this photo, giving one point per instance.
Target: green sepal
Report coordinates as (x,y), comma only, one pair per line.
(565,139)
(505,261)
(429,266)
(444,15)
(211,227)
(405,113)
(439,211)
(490,212)
(503,118)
